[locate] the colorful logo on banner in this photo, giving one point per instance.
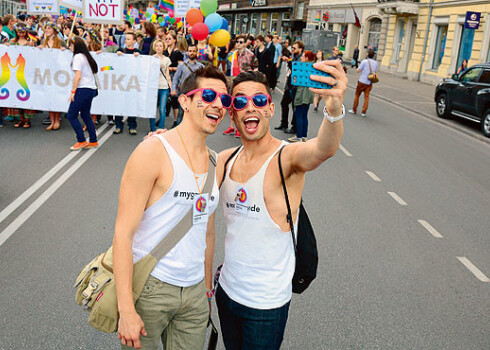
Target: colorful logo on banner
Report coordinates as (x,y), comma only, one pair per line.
(5,62)
(201,204)
(241,195)
(106,68)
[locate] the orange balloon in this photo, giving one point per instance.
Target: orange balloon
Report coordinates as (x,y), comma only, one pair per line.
(194,16)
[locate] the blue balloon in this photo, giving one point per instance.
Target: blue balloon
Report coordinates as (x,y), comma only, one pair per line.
(125,11)
(167,18)
(214,22)
(224,25)
(137,20)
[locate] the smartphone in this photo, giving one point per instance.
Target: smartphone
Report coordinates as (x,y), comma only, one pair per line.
(300,76)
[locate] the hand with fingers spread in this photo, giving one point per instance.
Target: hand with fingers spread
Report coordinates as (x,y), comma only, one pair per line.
(333,97)
(130,328)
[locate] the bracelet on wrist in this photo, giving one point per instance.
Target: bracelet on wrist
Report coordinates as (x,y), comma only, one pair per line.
(333,119)
(210,294)
(73,91)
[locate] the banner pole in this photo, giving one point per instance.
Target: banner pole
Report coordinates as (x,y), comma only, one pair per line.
(102,35)
(73,25)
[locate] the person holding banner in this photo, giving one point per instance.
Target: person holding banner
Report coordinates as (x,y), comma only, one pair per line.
(83,91)
(163,83)
(52,41)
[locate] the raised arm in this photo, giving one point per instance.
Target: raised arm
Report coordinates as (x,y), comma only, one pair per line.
(307,156)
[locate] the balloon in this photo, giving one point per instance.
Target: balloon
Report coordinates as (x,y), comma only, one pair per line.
(167,18)
(171,13)
(178,19)
(153,16)
(224,25)
(162,24)
(137,21)
(131,20)
(172,20)
(160,19)
(200,31)
(208,7)
(147,14)
(219,38)
(125,12)
(194,16)
(214,22)
(179,25)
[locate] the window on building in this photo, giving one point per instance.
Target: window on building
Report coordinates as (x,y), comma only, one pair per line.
(374,33)
(466,45)
(286,16)
(330,27)
(273,27)
(301,10)
(440,46)
(399,41)
(253,24)
(263,22)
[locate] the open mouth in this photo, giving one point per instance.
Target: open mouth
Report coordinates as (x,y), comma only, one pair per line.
(213,117)
(251,124)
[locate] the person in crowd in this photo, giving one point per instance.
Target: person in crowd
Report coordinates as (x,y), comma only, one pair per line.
(161,32)
(184,69)
(317,99)
(204,52)
(128,50)
(355,57)
(272,50)
(249,42)
(52,41)
(176,57)
(222,57)
(242,60)
(303,98)
(364,85)
(288,96)
(93,42)
(164,82)
(190,39)
(65,30)
(8,32)
(40,27)
(463,67)
(109,45)
(182,44)
(119,32)
(254,289)
(276,40)
(31,26)
(288,47)
(266,61)
(80,30)
(174,306)
(150,33)
(84,89)
(22,39)
(139,39)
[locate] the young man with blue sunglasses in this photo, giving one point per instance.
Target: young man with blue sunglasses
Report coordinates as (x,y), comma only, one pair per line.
(254,291)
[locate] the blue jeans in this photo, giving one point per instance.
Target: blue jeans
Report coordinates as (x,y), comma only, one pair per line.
(162,100)
(245,328)
(82,105)
(301,113)
(120,125)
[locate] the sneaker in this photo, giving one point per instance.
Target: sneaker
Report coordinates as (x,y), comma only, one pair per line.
(295,139)
(280,127)
(1,125)
(133,132)
(117,131)
(304,139)
(9,119)
(363,114)
(237,134)
(229,131)
(351,111)
(111,122)
(290,131)
(79,145)
(92,145)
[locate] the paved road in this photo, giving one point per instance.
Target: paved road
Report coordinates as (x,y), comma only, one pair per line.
(385,280)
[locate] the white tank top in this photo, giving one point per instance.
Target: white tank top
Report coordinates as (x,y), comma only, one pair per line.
(259,256)
(183,266)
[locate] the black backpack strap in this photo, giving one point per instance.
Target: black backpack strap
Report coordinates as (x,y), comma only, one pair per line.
(227,161)
(289,216)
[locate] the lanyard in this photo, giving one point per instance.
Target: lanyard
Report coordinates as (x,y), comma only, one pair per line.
(192,166)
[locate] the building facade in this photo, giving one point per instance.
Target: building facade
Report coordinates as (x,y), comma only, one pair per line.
(427,40)
(11,7)
(283,18)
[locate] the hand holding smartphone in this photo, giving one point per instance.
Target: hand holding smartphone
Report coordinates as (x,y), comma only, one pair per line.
(301,72)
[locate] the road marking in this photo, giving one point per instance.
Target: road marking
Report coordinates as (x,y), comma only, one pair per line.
(474,270)
(429,228)
(346,152)
(397,198)
(31,209)
(39,183)
(373,176)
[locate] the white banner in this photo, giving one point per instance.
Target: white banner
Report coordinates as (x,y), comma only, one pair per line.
(72,4)
(43,7)
(37,79)
(181,7)
(103,11)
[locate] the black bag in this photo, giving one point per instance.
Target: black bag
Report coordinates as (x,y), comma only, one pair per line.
(305,248)
(213,338)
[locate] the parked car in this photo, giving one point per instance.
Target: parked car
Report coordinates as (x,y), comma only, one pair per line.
(467,96)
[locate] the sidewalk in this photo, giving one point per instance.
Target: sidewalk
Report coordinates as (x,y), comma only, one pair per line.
(413,96)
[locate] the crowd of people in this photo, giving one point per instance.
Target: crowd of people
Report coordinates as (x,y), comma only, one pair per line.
(180,55)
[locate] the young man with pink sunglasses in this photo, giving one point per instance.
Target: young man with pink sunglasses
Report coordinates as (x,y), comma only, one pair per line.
(254,291)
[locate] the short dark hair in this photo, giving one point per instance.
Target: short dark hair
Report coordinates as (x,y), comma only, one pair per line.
(371,53)
(269,36)
(133,35)
(260,37)
(300,45)
(250,37)
(251,75)
(240,36)
(208,72)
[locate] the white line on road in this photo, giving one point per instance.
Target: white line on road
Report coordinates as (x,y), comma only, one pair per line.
(429,228)
(346,152)
(373,176)
(39,183)
(31,209)
(474,270)
(397,198)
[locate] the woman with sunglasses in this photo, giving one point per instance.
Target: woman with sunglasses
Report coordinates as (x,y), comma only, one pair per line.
(52,41)
(303,98)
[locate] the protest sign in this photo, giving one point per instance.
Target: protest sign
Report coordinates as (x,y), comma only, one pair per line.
(42,7)
(181,7)
(72,4)
(103,11)
(42,79)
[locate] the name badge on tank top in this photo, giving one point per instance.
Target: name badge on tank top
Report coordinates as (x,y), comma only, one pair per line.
(200,209)
(241,200)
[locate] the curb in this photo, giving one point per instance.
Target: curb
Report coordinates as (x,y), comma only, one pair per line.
(431,117)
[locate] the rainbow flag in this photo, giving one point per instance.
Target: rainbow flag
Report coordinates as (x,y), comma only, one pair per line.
(106,68)
(235,66)
(166,5)
(32,37)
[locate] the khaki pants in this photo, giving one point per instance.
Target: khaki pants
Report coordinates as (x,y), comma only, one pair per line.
(361,87)
(177,316)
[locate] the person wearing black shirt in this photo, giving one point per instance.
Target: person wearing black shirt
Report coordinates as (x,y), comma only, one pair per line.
(266,60)
(272,50)
(175,57)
